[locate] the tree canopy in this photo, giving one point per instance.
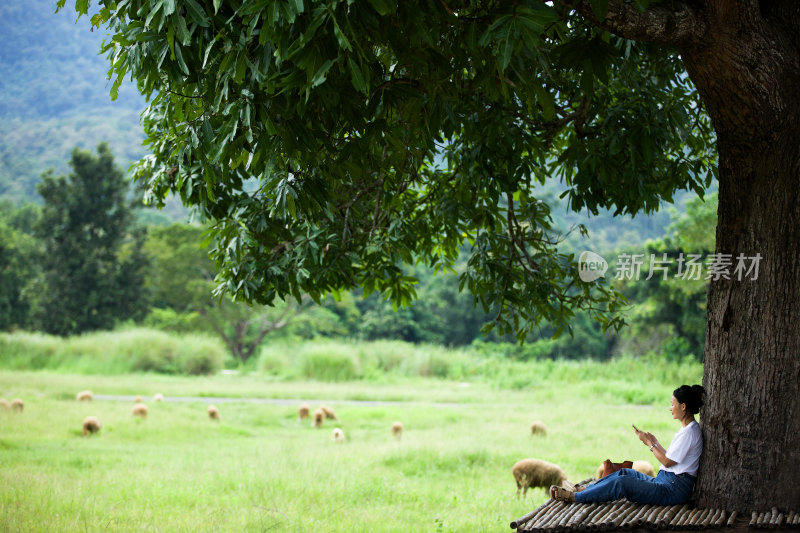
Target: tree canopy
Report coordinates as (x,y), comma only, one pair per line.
(331,142)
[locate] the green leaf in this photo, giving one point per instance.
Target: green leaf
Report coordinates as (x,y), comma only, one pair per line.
(171,41)
(319,75)
(197,13)
(383,7)
(241,68)
(356,78)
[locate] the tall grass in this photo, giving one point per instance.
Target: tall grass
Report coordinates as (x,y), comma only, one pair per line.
(637,380)
(117,352)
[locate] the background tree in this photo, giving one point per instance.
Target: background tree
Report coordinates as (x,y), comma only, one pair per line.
(19,255)
(92,263)
(181,280)
(330,142)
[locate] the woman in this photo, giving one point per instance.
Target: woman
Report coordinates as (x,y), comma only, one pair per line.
(674,482)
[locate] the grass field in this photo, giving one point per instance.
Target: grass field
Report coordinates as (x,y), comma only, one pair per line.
(259,469)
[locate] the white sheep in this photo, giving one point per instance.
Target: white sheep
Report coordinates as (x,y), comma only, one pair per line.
(17,405)
(213,412)
(158,397)
(302,412)
(536,473)
(139,410)
(397,430)
(91,425)
(338,435)
(84,396)
(138,399)
(644,467)
(538,428)
(4,405)
(328,412)
(317,418)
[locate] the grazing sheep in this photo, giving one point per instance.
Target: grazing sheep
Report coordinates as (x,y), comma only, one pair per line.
(213,412)
(91,425)
(302,412)
(138,399)
(536,473)
(640,466)
(84,396)
(158,397)
(319,416)
(338,435)
(139,409)
(644,467)
(328,412)
(4,405)
(538,428)
(17,405)
(397,430)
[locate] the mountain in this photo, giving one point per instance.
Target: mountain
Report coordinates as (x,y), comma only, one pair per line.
(54,96)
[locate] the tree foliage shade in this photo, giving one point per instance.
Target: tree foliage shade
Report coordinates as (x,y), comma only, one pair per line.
(332,142)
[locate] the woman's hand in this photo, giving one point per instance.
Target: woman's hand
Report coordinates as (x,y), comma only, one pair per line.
(647,438)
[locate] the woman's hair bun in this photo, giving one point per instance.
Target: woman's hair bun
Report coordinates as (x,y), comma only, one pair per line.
(693,396)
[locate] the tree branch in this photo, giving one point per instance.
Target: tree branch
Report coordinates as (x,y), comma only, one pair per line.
(673,23)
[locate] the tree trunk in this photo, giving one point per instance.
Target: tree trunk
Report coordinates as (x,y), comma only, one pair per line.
(746,66)
(751,420)
(748,74)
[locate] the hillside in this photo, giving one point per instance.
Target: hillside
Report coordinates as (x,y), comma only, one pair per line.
(54,96)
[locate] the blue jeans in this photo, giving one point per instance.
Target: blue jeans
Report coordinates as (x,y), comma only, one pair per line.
(664,489)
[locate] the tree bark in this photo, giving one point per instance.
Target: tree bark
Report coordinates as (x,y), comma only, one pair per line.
(747,70)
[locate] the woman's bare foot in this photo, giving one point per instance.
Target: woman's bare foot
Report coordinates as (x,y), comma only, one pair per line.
(561,494)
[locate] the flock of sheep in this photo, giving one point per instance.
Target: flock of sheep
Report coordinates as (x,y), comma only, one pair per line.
(528,473)
(324,412)
(92,425)
(531,473)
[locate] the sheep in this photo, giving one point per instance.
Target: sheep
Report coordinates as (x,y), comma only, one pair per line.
(138,399)
(4,405)
(319,416)
(338,435)
(17,405)
(644,467)
(328,412)
(140,410)
(538,428)
(158,397)
(84,396)
(91,425)
(302,412)
(536,473)
(640,466)
(213,412)
(397,430)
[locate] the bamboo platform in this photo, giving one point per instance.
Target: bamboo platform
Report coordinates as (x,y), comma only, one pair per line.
(559,517)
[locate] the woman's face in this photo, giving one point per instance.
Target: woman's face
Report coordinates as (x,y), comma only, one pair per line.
(678,410)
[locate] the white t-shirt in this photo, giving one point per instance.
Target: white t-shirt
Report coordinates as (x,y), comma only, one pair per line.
(685,450)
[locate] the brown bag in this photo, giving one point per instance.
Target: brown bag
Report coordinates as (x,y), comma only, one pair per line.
(610,468)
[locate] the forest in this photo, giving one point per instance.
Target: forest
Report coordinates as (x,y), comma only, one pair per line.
(148,271)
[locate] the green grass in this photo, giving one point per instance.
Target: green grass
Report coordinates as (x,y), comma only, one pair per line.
(259,469)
